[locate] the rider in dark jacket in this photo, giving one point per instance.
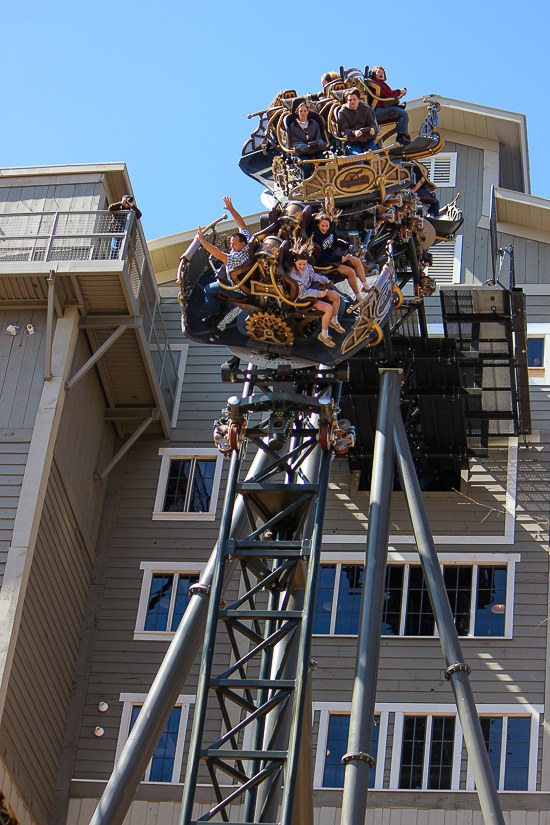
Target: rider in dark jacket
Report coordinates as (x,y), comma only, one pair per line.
(357,123)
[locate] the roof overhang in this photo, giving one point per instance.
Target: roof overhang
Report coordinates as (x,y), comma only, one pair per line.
(457,117)
(166,252)
(523,215)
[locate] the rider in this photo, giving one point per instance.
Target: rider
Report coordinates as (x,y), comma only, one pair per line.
(356,121)
(335,251)
(391,105)
(309,282)
(305,132)
(239,255)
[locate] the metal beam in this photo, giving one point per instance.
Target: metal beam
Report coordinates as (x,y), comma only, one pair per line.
(358,759)
(457,670)
(49,326)
(155,415)
(96,356)
(176,666)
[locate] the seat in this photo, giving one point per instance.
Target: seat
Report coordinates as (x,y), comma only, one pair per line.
(386,122)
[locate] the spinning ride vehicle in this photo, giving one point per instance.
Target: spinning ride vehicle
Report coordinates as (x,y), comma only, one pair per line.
(385,216)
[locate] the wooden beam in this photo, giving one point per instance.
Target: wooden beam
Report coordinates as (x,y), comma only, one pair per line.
(96,356)
(49,326)
(128,413)
(155,415)
(107,321)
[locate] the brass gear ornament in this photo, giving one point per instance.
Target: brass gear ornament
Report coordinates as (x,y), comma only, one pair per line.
(269,329)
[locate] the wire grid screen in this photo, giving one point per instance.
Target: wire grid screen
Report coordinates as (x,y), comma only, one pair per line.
(155,332)
(77,236)
(409,328)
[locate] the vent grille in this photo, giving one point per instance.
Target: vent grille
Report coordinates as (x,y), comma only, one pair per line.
(441,168)
(445,269)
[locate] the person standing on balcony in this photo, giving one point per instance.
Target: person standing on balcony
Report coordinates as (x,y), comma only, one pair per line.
(118,222)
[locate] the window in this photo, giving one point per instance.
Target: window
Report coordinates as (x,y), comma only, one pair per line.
(165,766)
(535,352)
(427,753)
(512,744)
(332,744)
(337,746)
(480,595)
(442,168)
(188,486)
(447,259)
(164,597)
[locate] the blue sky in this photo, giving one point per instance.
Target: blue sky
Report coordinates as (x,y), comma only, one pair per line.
(166,86)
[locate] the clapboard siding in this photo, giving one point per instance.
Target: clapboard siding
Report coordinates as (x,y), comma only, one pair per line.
(86,443)
(22,359)
(41,679)
(13,460)
(59,197)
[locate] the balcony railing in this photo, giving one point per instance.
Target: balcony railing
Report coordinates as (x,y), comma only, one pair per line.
(97,236)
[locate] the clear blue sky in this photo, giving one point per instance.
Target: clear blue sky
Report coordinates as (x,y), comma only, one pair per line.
(166,86)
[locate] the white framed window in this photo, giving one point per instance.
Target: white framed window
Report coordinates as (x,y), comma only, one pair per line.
(512,741)
(332,740)
(480,587)
(447,262)
(442,168)
(165,766)
(427,748)
(189,483)
(164,597)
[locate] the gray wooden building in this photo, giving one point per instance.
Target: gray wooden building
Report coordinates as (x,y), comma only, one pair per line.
(105,406)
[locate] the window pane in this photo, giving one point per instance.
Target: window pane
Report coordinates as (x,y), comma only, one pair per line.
(159,602)
(420,617)
(491,601)
(203,481)
(412,756)
(349,599)
(441,755)
(535,352)
(182,598)
(162,764)
(176,489)
(391,616)
(458,582)
(517,754)
(337,745)
(492,733)
(323,599)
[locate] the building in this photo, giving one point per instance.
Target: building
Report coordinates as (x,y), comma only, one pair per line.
(99,549)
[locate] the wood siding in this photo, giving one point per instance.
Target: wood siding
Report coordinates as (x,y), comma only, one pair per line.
(58,197)
(13,459)
(41,677)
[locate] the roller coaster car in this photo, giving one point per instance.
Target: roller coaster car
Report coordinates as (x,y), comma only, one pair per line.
(268,319)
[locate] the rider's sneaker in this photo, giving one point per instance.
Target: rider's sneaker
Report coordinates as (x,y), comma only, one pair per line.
(336,325)
(327,340)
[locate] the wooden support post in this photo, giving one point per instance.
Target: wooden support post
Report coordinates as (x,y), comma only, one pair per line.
(49,326)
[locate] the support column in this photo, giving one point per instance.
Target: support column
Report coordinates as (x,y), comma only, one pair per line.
(180,656)
(457,670)
(358,760)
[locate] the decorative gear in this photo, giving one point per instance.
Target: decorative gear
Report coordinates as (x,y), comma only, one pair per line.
(262,326)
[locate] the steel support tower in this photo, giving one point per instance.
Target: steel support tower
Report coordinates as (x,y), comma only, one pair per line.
(260,768)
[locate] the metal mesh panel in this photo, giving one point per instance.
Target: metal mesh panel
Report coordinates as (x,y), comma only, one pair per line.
(62,236)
